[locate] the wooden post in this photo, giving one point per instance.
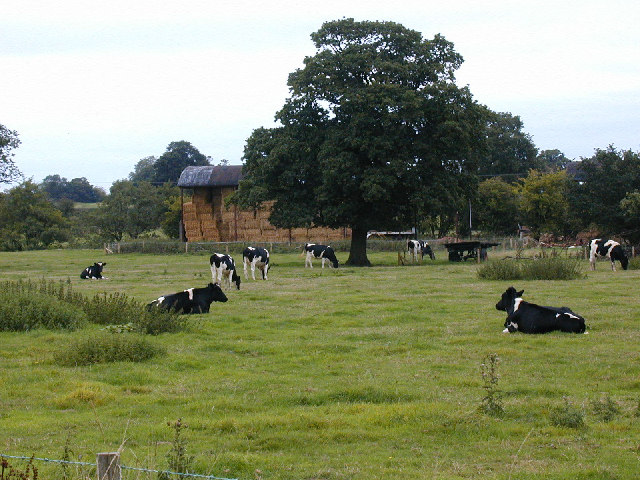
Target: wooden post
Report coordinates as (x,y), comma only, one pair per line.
(109,466)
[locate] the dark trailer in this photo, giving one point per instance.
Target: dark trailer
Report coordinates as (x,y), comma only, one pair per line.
(460,251)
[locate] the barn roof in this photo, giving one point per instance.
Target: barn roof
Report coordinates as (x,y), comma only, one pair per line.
(211,176)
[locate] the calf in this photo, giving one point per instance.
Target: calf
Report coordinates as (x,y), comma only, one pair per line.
(94,272)
(323,252)
(224,268)
(193,300)
(607,249)
(419,246)
(528,317)
(255,257)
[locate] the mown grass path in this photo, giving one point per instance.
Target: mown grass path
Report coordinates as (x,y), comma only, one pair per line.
(355,373)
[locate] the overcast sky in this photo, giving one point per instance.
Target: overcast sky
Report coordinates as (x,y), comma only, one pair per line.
(92,87)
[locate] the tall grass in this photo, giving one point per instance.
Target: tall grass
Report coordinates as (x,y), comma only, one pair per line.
(550,268)
(104,348)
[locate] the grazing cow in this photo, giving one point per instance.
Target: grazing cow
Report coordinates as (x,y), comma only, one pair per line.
(419,246)
(323,252)
(94,272)
(223,270)
(193,300)
(607,249)
(255,257)
(528,317)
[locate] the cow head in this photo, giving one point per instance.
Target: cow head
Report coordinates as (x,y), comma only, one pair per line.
(426,250)
(217,295)
(236,279)
(508,299)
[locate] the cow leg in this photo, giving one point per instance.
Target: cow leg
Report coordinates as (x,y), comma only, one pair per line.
(613,265)
(308,261)
(244,264)
(592,263)
(253,270)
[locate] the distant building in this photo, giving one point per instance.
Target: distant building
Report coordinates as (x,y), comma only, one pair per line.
(205,217)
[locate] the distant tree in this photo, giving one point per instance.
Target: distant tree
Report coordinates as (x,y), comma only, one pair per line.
(9,141)
(605,179)
(144,170)
(28,220)
(497,207)
(133,208)
(544,201)
(373,128)
(171,219)
(551,160)
(510,151)
(78,189)
(179,155)
(630,206)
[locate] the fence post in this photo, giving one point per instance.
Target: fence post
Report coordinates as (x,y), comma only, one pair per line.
(109,466)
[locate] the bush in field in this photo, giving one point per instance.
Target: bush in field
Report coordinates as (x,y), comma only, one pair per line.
(567,416)
(106,347)
(42,299)
(552,268)
(634,263)
(23,312)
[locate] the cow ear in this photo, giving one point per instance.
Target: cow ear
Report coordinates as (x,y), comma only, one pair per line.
(519,294)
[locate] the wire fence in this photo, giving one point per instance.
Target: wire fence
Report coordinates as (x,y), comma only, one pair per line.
(123,467)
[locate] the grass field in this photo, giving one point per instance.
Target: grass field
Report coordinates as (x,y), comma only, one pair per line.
(355,373)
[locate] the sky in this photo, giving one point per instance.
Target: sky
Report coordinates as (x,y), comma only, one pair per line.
(94,87)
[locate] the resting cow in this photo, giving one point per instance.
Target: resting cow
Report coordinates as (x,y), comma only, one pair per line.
(193,300)
(607,249)
(223,270)
(323,252)
(94,272)
(419,246)
(528,317)
(255,257)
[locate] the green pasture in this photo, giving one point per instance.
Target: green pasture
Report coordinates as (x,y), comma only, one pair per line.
(355,373)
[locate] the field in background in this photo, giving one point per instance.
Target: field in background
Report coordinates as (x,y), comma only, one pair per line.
(355,373)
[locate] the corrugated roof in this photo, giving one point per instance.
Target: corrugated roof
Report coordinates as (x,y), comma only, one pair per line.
(211,176)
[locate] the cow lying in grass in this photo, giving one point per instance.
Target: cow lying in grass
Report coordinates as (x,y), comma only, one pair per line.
(94,272)
(528,317)
(193,300)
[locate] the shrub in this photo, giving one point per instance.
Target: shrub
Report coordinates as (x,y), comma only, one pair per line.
(27,311)
(567,416)
(605,408)
(106,347)
(634,263)
(492,400)
(551,268)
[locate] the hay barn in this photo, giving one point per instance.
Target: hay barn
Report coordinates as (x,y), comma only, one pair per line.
(205,217)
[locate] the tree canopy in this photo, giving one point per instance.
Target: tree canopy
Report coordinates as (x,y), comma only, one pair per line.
(169,166)
(9,141)
(374,129)
(78,189)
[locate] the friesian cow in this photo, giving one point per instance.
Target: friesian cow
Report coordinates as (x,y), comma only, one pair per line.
(192,300)
(607,249)
(255,257)
(528,317)
(323,252)
(419,246)
(94,272)
(223,270)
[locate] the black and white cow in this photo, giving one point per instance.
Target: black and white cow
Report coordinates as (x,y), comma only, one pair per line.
(223,270)
(192,300)
(94,272)
(528,317)
(323,252)
(255,257)
(607,249)
(419,246)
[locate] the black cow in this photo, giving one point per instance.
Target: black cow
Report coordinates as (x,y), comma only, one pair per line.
(607,249)
(223,270)
(255,257)
(419,246)
(528,317)
(323,252)
(94,272)
(193,300)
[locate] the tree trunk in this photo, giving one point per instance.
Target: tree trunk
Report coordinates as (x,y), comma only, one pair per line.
(358,250)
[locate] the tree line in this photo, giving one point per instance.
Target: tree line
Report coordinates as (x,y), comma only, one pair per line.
(375,135)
